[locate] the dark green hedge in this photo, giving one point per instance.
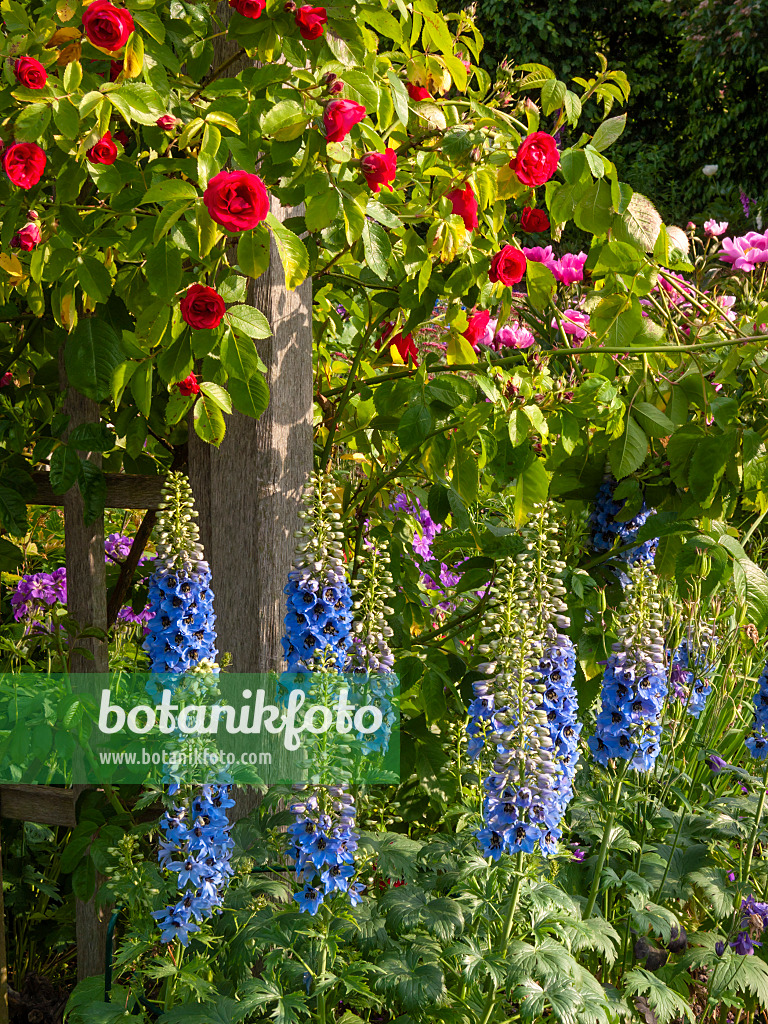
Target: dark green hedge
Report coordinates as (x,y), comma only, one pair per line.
(698,96)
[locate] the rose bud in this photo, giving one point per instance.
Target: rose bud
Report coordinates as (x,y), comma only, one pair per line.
(167,122)
(33,214)
(476,326)
(27,238)
(289,7)
(202,308)
(24,163)
(336,88)
(339,117)
(508,266)
(379,169)
(106,26)
(310,21)
(6,379)
(30,73)
(249,8)
(236,200)
(188,386)
(464,203)
(536,159)
(534,220)
(417,92)
(104,151)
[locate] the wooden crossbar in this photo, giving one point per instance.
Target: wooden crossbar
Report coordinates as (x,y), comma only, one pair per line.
(124,490)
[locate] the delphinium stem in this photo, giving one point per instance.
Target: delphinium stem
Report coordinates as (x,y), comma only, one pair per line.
(746,865)
(603,851)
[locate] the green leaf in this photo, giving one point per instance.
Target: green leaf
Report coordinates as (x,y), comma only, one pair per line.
(593,210)
(627,454)
(94,278)
(163,270)
(208,232)
(250,321)
(531,488)
(171,211)
(751,586)
(239,358)
(13,511)
(354,218)
(639,225)
(552,95)
(399,97)
(141,386)
(66,117)
(465,476)
(377,248)
(65,468)
(415,424)
(207,164)
(250,396)
(665,1004)
(322,210)
(653,421)
(137,102)
(608,132)
(11,557)
(217,395)
(293,253)
(32,122)
(93,487)
(175,362)
(209,421)
(169,189)
(92,352)
(253,251)
(285,121)
(91,437)
(151,25)
(541,284)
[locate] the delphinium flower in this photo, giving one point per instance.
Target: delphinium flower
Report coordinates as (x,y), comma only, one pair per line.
(319,599)
(634,681)
(322,842)
(181,644)
(525,709)
(757,741)
(371,659)
(691,670)
(754,920)
(181,631)
(196,845)
(608,532)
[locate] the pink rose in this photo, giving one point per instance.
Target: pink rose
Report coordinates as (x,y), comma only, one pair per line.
(713,228)
(167,122)
(575,322)
(339,117)
(28,237)
(569,268)
(514,336)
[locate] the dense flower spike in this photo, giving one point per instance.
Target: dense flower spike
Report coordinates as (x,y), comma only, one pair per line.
(757,742)
(634,682)
(181,631)
(608,532)
(322,842)
(526,709)
(318,595)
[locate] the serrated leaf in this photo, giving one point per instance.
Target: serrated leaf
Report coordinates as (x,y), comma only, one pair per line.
(92,352)
(249,320)
(627,454)
(253,251)
(293,253)
(250,396)
(163,270)
(608,132)
(209,421)
(217,395)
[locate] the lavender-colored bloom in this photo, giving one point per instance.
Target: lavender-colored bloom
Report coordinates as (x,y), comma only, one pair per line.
(719,948)
(716,764)
(608,532)
(689,674)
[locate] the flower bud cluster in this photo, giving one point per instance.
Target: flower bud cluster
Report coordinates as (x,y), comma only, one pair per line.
(607,531)
(319,599)
(322,843)
(197,846)
(757,741)
(634,681)
(526,709)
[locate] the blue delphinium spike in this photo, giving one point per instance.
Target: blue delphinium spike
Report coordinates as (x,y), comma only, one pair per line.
(691,672)
(322,841)
(608,532)
(757,741)
(634,681)
(526,711)
(319,600)
(195,843)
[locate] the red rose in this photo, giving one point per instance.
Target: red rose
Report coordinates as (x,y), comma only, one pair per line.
(24,163)
(249,8)
(6,379)
(464,202)
(202,308)
(167,122)
(30,73)
(27,238)
(107,26)
(534,220)
(379,169)
(536,159)
(123,137)
(508,266)
(417,92)
(188,386)
(339,117)
(310,21)
(104,152)
(406,347)
(237,200)
(476,326)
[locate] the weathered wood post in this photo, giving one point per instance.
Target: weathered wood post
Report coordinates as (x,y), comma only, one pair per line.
(248,491)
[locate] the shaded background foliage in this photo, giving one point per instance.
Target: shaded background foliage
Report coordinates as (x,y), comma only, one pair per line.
(698,93)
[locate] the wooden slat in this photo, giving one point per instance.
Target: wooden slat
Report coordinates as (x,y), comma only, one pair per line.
(123,491)
(45,805)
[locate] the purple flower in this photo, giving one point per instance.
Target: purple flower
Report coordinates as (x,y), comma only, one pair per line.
(719,948)
(716,764)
